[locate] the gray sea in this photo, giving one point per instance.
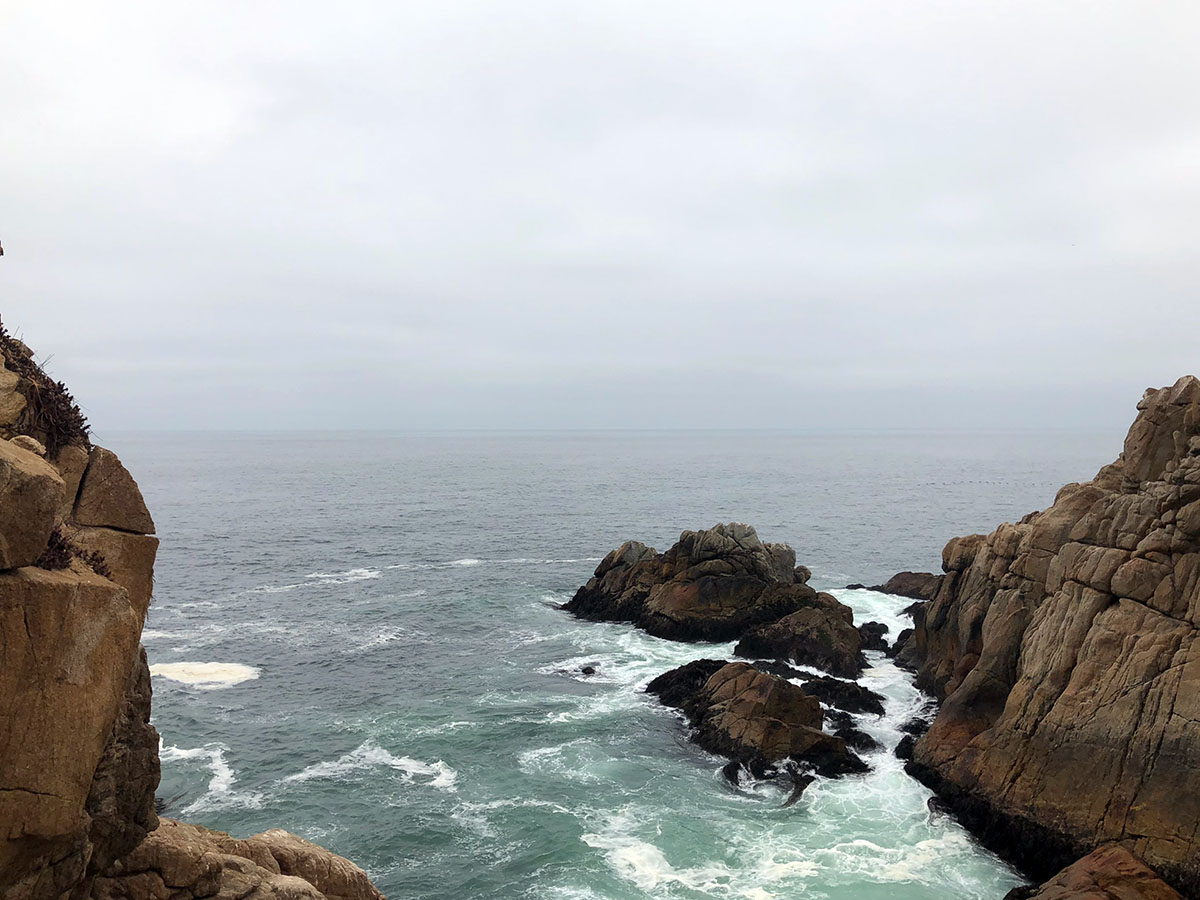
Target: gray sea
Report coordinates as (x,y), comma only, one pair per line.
(357,637)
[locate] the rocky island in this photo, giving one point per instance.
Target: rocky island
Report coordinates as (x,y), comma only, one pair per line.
(78,756)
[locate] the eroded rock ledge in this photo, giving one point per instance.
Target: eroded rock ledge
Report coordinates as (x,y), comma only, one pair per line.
(1065,648)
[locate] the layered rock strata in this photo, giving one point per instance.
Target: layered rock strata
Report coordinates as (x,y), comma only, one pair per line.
(1065,648)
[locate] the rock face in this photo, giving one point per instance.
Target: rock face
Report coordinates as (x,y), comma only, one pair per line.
(1065,646)
(78,756)
(1110,873)
(752,717)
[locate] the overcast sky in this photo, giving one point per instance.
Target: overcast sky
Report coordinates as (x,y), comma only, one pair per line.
(608,214)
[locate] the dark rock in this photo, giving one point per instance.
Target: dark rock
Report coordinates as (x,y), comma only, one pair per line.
(918,585)
(904,749)
(800,781)
(856,739)
(857,587)
(588,670)
(678,686)
(901,642)
(872,635)
(844,695)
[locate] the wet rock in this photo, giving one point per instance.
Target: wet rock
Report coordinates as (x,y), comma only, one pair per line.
(872,636)
(754,718)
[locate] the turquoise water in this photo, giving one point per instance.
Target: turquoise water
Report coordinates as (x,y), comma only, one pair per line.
(391,676)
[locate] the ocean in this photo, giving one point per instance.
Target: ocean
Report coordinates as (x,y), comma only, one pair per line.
(356,637)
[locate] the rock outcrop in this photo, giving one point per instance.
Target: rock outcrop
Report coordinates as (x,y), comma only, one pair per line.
(711,585)
(721,584)
(752,717)
(1065,648)
(917,585)
(78,757)
(1110,873)
(179,860)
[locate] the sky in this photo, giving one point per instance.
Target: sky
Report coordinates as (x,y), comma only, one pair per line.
(603,214)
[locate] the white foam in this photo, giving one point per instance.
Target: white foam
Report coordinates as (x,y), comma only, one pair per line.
(153,634)
(370,755)
(645,865)
(220,792)
(206,676)
(350,575)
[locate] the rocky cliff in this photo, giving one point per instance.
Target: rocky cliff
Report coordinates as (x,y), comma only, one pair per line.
(1065,649)
(78,756)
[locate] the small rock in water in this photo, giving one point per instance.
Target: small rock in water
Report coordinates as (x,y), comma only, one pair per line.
(588,670)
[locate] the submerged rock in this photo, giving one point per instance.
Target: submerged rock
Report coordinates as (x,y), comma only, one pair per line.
(712,585)
(752,717)
(1066,649)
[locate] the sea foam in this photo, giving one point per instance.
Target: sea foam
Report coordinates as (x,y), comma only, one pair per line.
(370,755)
(206,676)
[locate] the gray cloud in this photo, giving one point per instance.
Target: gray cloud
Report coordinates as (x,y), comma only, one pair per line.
(608,214)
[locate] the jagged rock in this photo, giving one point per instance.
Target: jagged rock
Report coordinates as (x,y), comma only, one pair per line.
(752,717)
(848,696)
(1065,646)
(129,558)
(180,860)
(30,494)
(1110,873)
(70,463)
(918,585)
(711,585)
(817,636)
(872,635)
(109,496)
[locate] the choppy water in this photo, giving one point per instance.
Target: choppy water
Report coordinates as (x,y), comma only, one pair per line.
(355,637)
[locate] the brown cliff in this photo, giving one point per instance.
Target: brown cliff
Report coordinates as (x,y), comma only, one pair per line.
(1065,649)
(78,756)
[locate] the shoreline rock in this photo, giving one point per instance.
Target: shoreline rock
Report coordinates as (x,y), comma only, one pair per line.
(1064,649)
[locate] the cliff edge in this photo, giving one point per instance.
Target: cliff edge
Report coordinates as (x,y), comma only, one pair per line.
(1064,648)
(78,756)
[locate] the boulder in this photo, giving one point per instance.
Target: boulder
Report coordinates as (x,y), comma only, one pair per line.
(1065,648)
(128,559)
(182,860)
(814,636)
(1109,873)
(712,585)
(109,497)
(31,492)
(754,718)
